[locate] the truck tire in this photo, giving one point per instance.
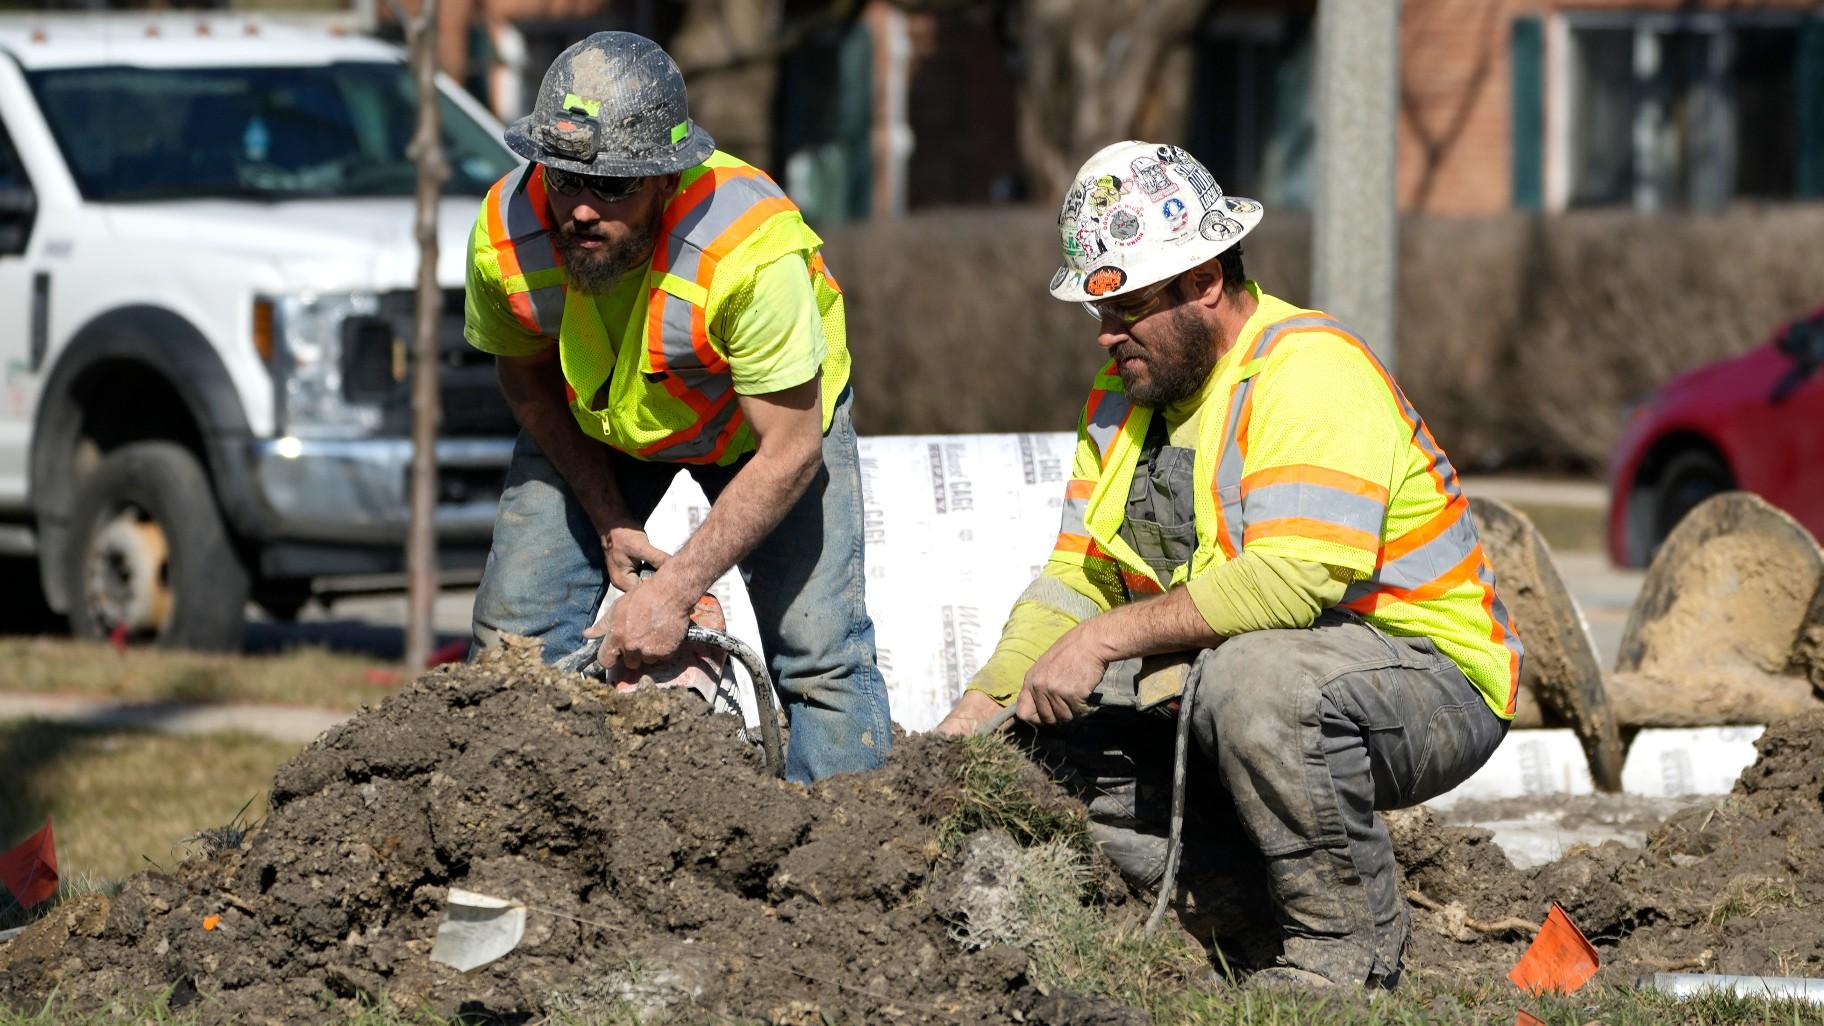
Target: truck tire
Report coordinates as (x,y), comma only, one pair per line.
(149,558)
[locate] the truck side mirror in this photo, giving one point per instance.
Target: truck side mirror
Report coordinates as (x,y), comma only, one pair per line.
(1804,342)
(18,208)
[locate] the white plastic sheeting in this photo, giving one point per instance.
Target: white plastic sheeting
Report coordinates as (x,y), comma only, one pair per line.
(956,526)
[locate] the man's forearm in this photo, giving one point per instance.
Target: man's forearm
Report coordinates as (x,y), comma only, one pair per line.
(754,503)
(1167,623)
(534,388)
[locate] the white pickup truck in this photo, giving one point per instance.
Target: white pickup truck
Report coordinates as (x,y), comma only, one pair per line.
(206,274)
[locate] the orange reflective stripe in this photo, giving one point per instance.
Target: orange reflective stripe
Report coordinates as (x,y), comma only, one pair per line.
(1318,530)
(1311,473)
(1457,576)
(1079,488)
(1140,583)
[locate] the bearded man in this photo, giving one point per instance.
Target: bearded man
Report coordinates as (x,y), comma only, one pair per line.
(1260,539)
(655,304)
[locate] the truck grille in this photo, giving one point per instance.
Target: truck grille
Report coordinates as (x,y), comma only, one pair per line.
(377,369)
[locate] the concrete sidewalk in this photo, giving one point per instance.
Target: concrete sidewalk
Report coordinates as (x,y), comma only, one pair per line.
(279,722)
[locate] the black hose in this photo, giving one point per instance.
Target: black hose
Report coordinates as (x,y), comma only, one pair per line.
(765,702)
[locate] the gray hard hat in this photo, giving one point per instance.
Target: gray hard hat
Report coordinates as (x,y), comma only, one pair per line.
(614,105)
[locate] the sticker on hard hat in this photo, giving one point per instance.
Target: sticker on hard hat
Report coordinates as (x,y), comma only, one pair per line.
(1216,227)
(1152,178)
(1177,218)
(1243,206)
(1103,193)
(1208,192)
(1123,225)
(1104,280)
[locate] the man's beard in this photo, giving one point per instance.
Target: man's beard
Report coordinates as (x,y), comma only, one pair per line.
(1177,364)
(593,271)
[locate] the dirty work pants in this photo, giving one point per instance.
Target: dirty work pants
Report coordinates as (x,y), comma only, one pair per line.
(545,579)
(1307,732)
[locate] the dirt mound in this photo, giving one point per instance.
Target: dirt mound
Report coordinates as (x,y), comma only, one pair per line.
(1731,887)
(667,875)
(663,870)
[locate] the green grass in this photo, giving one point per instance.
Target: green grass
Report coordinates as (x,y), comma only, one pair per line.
(1218,1005)
(991,796)
(121,799)
(305,676)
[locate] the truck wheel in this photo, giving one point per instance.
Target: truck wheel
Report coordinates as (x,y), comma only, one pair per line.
(149,558)
(1689,478)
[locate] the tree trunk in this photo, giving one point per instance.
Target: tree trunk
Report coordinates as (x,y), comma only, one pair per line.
(426,151)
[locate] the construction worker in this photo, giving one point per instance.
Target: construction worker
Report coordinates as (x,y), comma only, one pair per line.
(1257,508)
(656,304)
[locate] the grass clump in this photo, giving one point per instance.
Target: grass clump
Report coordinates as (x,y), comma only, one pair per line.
(1746,897)
(996,790)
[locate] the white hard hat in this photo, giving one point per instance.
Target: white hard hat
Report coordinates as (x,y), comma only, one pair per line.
(1140,213)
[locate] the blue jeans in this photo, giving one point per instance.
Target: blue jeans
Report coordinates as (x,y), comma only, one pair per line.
(544,579)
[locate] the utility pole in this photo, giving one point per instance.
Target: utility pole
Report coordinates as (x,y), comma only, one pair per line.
(1355,229)
(426,151)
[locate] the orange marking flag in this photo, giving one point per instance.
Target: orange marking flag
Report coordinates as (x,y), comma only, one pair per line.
(30,870)
(1560,958)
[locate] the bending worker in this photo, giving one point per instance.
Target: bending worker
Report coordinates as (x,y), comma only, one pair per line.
(656,304)
(1252,492)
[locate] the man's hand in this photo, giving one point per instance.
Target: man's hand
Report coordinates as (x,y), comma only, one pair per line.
(624,551)
(968,714)
(646,625)
(1060,682)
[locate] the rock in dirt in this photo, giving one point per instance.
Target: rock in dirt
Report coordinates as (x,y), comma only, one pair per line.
(665,873)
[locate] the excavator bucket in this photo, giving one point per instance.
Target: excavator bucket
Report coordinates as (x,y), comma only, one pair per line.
(1729,625)
(1561,677)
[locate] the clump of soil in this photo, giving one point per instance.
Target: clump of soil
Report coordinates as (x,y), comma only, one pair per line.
(1730,887)
(664,871)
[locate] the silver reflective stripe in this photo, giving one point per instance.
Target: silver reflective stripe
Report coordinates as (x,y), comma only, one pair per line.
(1229,469)
(728,200)
(1314,502)
(1509,638)
(534,251)
(1433,559)
(1072,519)
(704,442)
(676,335)
(1049,591)
(1105,423)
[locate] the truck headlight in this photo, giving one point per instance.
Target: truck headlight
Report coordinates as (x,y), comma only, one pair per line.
(308,364)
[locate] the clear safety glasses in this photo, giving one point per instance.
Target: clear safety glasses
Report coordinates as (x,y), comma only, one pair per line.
(1133,306)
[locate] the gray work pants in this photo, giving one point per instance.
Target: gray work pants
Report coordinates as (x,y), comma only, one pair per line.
(1304,734)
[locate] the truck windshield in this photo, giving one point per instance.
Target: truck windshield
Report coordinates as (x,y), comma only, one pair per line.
(273,133)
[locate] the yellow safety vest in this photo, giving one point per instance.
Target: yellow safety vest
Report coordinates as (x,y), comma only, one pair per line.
(662,390)
(1431,580)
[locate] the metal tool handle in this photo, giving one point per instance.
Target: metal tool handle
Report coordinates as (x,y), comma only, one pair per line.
(765,702)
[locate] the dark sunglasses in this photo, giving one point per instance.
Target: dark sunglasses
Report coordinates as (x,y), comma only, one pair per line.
(569,183)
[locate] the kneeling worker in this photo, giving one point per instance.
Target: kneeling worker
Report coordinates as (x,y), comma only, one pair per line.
(1252,490)
(653,305)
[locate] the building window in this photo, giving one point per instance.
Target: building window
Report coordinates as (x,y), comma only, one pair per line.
(1669,111)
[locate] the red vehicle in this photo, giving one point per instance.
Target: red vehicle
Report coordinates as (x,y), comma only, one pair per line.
(1755,423)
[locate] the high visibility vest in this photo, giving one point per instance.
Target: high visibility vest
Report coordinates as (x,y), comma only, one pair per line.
(1432,579)
(659,386)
